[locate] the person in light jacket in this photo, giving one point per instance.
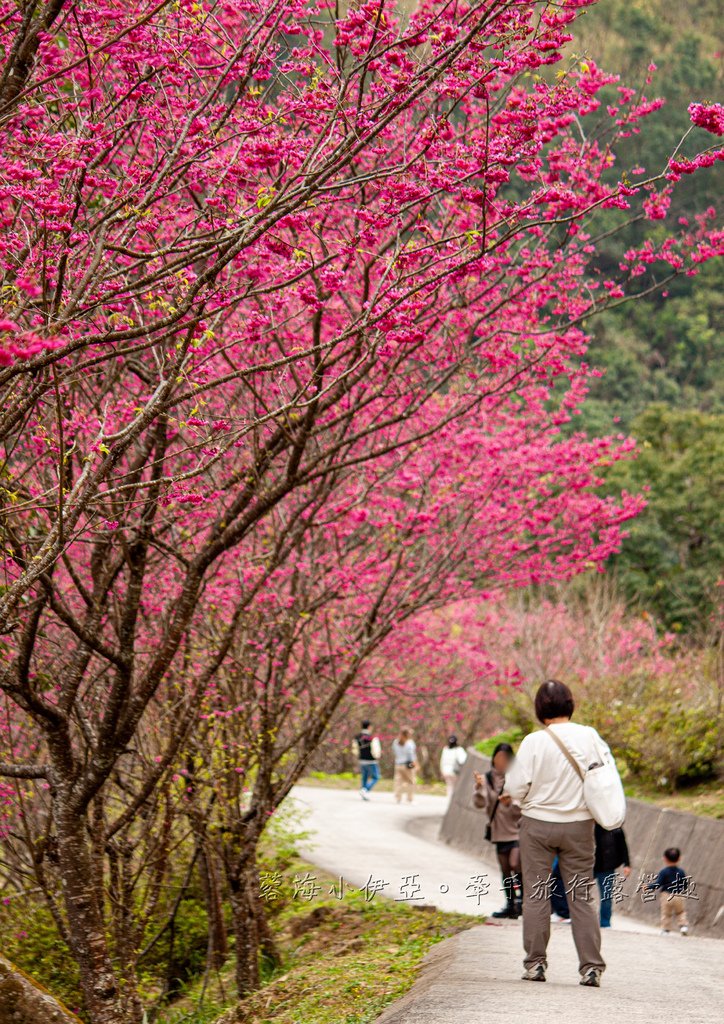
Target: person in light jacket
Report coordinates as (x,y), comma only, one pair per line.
(556,821)
(404,752)
(504,821)
(452,758)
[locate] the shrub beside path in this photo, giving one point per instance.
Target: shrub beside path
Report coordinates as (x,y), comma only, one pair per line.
(474,977)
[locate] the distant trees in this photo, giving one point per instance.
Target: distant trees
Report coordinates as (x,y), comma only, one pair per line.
(668,349)
(672,563)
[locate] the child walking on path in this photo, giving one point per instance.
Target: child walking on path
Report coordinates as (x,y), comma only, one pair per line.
(673,881)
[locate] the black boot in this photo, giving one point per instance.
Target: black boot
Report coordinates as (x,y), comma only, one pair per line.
(518,895)
(509,909)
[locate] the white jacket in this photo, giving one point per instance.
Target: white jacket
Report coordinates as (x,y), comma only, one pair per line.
(450,757)
(542,779)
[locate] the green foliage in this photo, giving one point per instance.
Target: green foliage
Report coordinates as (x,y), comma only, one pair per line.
(672,562)
(325,776)
(209,1012)
(684,42)
(278,847)
(663,350)
(31,941)
(179,956)
(665,736)
(705,799)
(667,351)
(344,961)
(513,736)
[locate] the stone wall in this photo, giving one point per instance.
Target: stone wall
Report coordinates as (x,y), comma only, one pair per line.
(649,831)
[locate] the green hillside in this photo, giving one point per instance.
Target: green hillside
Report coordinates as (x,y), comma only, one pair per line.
(664,356)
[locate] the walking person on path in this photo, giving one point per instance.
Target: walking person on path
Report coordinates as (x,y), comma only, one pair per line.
(503,827)
(452,758)
(675,883)
(404,752)
(611,854)
(368,750)
(556,821)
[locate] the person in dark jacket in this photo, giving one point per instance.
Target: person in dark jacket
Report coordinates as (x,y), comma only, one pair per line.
(674,881)
(611,854)
(368,749)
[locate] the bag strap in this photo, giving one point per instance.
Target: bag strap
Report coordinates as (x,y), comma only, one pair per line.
(489,777)
(566,752)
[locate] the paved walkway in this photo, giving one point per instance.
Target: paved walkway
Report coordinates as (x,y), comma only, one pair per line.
(474,977)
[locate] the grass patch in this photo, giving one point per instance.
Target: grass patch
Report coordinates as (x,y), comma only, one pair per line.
(343,960)
(704,798)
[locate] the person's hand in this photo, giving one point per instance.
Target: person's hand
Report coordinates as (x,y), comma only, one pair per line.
(505,799)
(626,871)
(479,778)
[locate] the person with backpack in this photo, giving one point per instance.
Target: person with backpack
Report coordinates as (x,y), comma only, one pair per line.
(452,758)
(368,751)
(562,774)
(503,827)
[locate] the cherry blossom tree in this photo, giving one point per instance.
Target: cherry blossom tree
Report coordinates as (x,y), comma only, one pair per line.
(280,277)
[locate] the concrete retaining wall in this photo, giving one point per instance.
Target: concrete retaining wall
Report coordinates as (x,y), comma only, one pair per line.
(649,831)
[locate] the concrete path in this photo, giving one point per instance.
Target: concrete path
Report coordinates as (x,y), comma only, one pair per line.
(474,977)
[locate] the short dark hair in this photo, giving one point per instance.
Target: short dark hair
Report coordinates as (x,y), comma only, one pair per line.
(553,700)
(673,853)
(506,749)
(366,723)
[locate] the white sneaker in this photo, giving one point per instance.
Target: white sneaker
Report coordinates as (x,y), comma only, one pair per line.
(557,919)
(364,794)
(684,930)
(664,931)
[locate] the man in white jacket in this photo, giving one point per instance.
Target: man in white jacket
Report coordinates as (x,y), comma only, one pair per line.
(556,822)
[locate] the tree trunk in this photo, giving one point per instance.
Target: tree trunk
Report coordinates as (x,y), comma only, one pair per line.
(251,931)
(23,1001)
(86,931)
(267,942)
(218,947)
(246,936)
